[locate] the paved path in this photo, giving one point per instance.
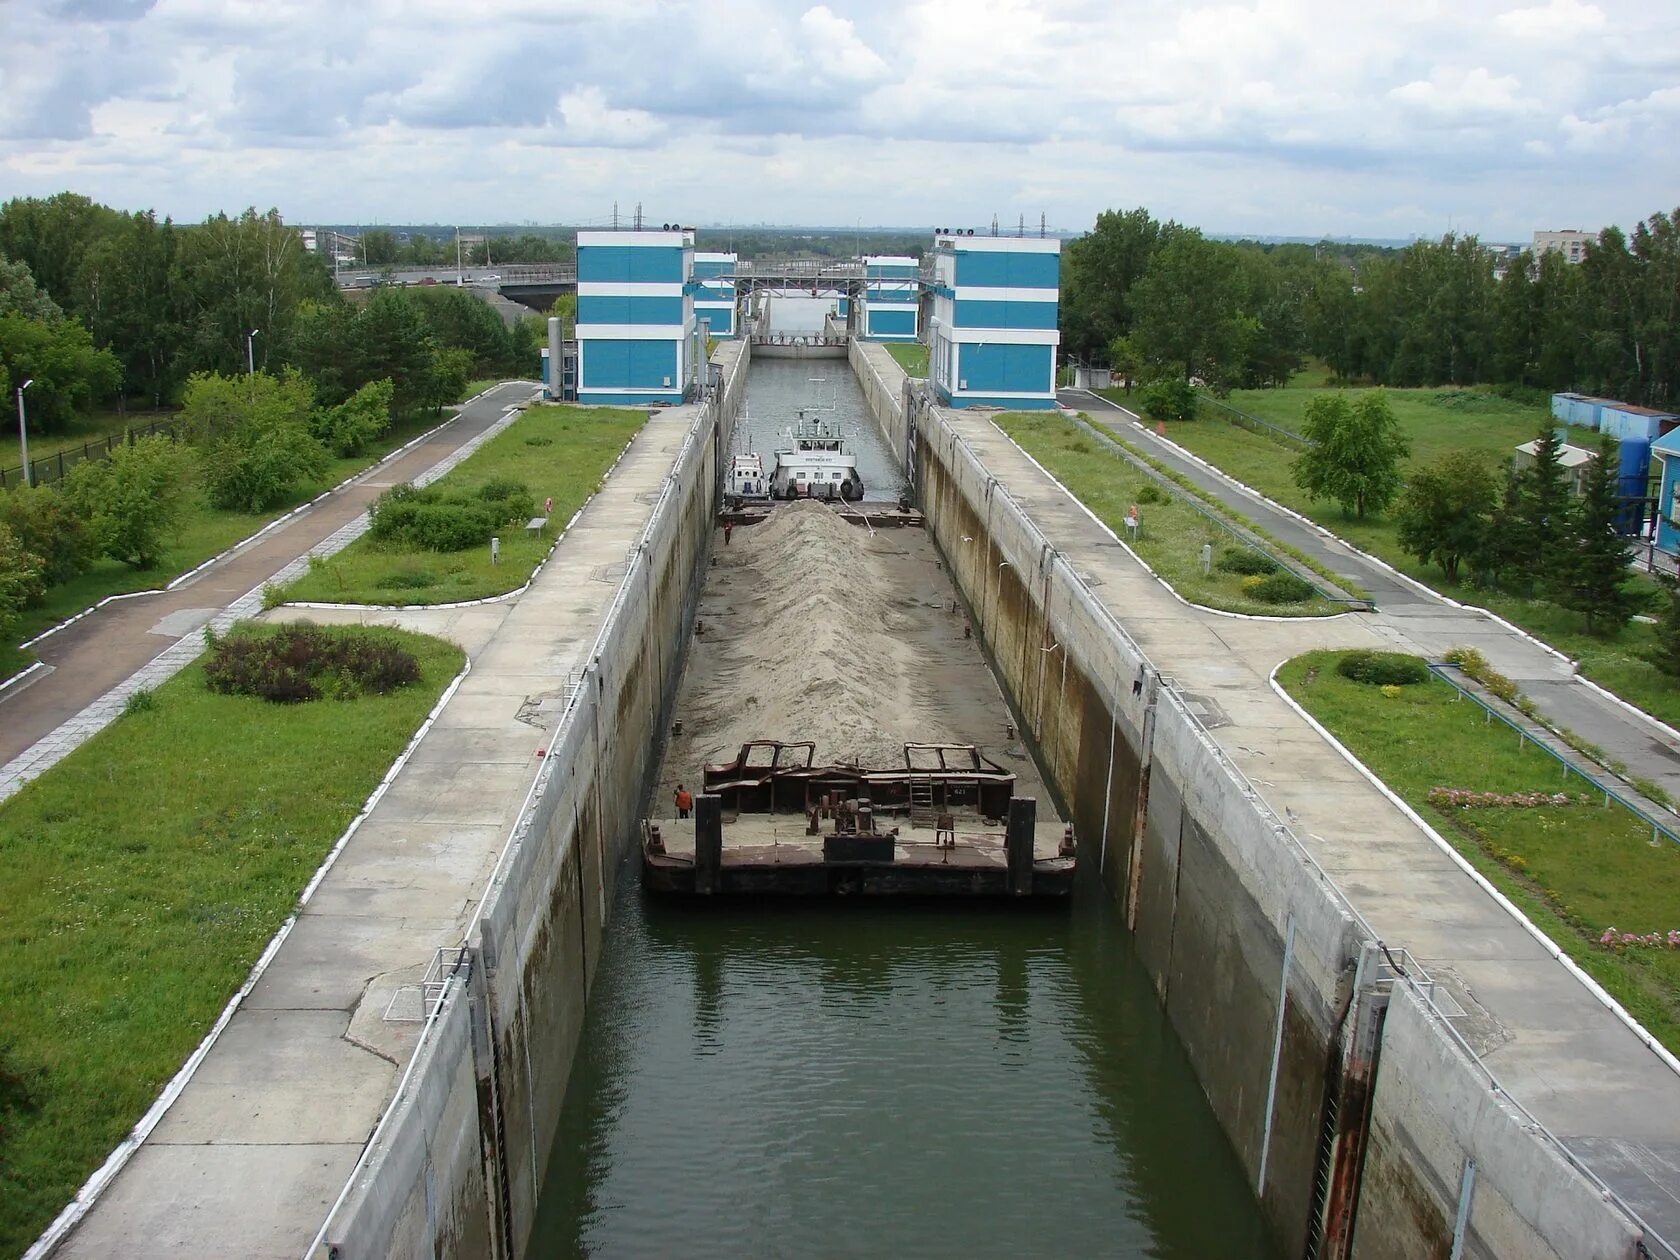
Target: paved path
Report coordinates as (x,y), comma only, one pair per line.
(93,655)
(251,1156)
(1554,1046)
(1420,621)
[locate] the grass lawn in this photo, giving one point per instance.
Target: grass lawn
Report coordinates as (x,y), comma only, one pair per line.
(473,389)
(141,878)
(912,356)
(1262,462)
(1575,870)
(204,532)
(563,451)
(1173,532)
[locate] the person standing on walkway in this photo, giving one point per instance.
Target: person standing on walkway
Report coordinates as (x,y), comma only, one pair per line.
(685,801)
(728,529)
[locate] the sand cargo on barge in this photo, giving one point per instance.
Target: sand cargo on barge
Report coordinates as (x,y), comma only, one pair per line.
(775,822)
(827,636)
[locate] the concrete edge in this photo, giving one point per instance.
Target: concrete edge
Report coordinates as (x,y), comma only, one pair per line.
(17,679)
(1654,722)
(274,524)
(1420,587)
(106,1173)
(1551,947)
(1147,568)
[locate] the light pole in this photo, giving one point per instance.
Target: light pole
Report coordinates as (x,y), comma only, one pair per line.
(250,353)
(23,432)
(457,255)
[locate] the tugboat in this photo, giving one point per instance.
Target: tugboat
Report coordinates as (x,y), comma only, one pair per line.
(746,481)
(815,465)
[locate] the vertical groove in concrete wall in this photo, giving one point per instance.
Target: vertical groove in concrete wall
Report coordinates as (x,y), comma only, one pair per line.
(456,1169)
(1218,878)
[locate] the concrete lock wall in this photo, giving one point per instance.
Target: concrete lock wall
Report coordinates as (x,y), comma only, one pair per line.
(882,382)
(1232,919)
(458,1163)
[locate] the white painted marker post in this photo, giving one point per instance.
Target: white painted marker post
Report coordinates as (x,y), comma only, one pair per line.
(495,551)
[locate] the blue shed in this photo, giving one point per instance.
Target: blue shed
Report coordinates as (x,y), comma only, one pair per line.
(1667,449)
(1625,420)
(1565,408)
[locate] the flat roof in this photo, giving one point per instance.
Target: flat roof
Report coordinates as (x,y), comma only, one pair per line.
(1568,456)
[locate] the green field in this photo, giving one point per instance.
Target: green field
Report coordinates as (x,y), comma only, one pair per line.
(1173,533)
(203,532)
(1436,421)
(912,356)
(558,451)
(1575,870)
(141,877)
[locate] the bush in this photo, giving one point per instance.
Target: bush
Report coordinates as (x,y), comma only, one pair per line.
(1170,399)
(254,435)
(46,527)
(1279,587)
(1383,669)
(1245,560)
(142,701)
(132,500)
(348,428)
(299,663)
(1150,493)
(435,520)
(20,578)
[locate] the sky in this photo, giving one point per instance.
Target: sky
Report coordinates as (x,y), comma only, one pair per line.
(1279,117)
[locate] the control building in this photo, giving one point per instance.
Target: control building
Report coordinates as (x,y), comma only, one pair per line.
(992,338)
(635,316)
(891,297)
(714,299)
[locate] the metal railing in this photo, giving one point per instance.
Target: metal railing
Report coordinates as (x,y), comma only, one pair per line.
(1246,420)
(1241,536)
(52,468)
(1524,736)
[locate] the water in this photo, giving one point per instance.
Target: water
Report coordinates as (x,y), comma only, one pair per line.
(852,1079)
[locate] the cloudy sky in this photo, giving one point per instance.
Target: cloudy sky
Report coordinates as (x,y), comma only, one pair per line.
(1339,117)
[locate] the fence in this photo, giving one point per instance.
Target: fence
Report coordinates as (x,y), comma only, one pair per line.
(1243,419)
(52,468)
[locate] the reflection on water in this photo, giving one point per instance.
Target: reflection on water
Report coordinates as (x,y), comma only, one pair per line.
(859,1080)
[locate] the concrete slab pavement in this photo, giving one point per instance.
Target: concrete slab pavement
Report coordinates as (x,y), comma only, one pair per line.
(1558,1049)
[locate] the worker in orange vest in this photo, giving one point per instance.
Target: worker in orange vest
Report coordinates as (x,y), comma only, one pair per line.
(685,801)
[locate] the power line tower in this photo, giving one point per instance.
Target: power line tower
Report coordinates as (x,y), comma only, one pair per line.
(638,216)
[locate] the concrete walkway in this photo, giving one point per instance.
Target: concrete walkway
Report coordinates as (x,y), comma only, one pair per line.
(1554,1046)
(253,1153)
(1419,621)
(90,657)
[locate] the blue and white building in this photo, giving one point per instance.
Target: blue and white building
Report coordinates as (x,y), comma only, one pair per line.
(714,299)
(992,338)
(892,293)
(635,316)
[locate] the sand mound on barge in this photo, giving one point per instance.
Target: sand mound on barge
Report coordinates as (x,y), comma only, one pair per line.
(811,643)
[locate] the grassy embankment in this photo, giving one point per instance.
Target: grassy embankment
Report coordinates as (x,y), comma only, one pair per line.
(141,877)
(1173,532)
(559,451)
(1576,870)
(203,532)
(912,356)
(1436,421)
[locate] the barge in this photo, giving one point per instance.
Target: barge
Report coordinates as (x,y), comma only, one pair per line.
(775,822)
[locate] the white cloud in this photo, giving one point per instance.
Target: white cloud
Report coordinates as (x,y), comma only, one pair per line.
(1463,93)
(590,121)
(1557,20)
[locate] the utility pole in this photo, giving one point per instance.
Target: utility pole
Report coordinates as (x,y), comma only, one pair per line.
(638,216)
(615,216)
(23,432)
(457,255)
(994,225)
(250,352)
(1021,227)
(1041,225)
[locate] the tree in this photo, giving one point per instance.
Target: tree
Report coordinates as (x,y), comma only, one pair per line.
(1592,574)
(348,428)
(1504,559)
(1664,651)
(20,295)
(59,356)
(1544,507)
(1355,454)
(1124,360)
(1188,318)
(379,248)
(46,527)
(1099,271)
(1446,510)
(132,501)
(253,435)
(20,579)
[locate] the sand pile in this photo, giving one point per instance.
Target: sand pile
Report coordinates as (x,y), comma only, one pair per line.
(808,649)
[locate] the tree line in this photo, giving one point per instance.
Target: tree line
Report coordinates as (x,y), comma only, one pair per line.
(1160,301)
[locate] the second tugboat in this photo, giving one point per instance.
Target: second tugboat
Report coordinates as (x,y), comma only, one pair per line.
(816,465)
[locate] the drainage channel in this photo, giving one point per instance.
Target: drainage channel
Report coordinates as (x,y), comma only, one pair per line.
(845,1077)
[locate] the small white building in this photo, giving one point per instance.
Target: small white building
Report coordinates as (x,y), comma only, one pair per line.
(1574,460)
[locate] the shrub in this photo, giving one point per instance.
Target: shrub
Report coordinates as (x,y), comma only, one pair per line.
(348,428)
(433,520)
(1245,560)
(132,500)
(46,527)
(1149,493)
(1170,399)
(20,578)
(141,701)
(299,663)
(1383,669)
(254,435)
(1279,587)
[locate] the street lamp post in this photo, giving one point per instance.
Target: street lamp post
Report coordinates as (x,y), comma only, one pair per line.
(457,256)
(250,353)
(23,432)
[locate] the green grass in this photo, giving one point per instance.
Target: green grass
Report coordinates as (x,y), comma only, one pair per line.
(1574,870)
(472,389)
(203,532)
(1172,534)
(912,356)
(563,451)
(141,877)
(82,428)
(1489,424)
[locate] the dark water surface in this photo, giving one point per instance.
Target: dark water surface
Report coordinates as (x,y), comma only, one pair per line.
(849,1079)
